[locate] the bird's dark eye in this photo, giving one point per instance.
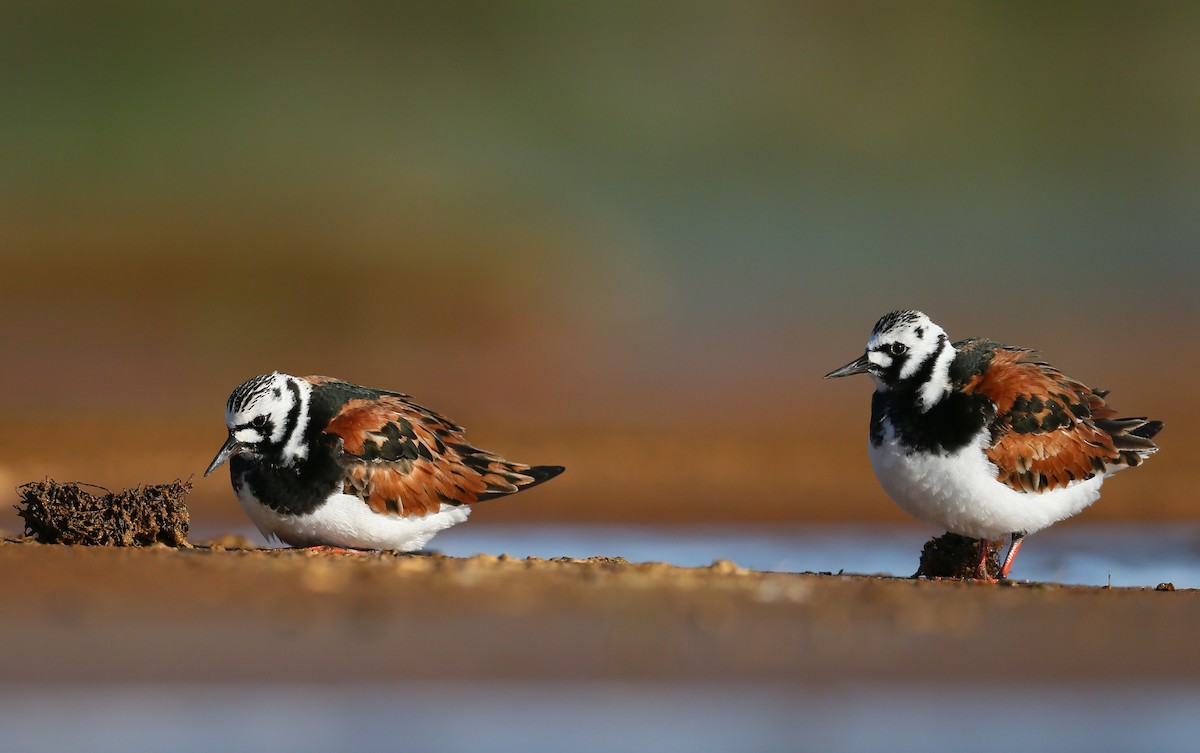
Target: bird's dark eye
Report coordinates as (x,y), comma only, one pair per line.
(259,423)
(897,349)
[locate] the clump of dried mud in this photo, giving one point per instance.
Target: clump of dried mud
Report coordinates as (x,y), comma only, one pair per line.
(954,556)
(64,513)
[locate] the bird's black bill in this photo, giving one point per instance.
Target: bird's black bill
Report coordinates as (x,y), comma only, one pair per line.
(860,366)
(231,447)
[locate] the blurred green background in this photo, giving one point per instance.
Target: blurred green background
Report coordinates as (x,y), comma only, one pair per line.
(656,223)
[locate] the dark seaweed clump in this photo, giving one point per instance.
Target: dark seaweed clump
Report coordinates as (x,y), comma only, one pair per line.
(57,513)
(954,556)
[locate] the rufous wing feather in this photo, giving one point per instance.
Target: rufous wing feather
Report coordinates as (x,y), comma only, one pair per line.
(1049,429)
(403,459)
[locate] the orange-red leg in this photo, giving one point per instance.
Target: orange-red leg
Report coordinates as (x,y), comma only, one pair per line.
(981,570)
(1017,540)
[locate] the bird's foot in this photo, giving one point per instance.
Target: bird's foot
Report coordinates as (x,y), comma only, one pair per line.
(1017,540)
(326,549)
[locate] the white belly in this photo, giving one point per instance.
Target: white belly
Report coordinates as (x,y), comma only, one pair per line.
(959,492)
(346,521)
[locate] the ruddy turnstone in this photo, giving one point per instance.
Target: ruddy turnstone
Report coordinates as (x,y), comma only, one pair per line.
(320,462)
(982,440)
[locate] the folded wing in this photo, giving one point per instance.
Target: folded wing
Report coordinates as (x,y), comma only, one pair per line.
(1050,430)
(403,459)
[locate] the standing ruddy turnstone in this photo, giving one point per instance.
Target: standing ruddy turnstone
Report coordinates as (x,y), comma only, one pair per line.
(981,439)
(319,462)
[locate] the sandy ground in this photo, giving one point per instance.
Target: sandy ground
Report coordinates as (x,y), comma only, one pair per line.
(212,615)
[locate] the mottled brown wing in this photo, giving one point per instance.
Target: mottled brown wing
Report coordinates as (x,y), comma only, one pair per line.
(403,459)
(1046,431)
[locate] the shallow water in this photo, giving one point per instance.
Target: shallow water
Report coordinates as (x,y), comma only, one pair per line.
(1078,554)
(601,717)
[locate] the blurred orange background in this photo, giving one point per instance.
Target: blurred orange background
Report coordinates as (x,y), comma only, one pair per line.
(627,238)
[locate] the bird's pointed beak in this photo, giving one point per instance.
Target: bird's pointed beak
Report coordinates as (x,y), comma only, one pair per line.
(861,365)
(229,449)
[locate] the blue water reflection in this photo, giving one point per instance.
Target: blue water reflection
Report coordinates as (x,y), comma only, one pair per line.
(601,717)
(1073,554)
(1120,555)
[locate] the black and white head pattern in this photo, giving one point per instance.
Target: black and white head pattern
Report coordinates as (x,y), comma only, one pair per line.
(268,414)
(907,349)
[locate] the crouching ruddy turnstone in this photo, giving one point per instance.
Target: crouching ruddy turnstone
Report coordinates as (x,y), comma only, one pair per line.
(981,439)
(320,462)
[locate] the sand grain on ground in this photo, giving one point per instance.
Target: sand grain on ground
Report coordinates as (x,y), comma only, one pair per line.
(208,614)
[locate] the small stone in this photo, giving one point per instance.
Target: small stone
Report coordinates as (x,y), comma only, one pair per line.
(725,567)
(229,541)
